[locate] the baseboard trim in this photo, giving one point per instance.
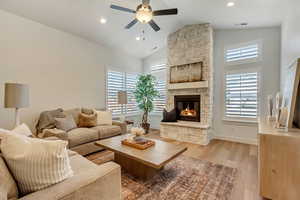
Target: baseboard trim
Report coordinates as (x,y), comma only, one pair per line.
(236,139)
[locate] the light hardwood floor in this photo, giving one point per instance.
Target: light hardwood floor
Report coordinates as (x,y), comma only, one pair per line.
(241,156)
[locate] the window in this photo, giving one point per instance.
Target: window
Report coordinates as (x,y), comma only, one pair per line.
(118,81)
(159,71)
(241,95)
(243,53)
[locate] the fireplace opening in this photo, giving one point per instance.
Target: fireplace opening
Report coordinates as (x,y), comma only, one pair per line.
(187,107)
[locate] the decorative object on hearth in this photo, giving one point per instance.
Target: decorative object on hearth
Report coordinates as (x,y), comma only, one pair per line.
(16,96)
(145,93)
(122,99)
(169,116)
(144,14)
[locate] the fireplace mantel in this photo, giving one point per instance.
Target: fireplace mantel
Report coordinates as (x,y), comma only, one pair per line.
(188,85)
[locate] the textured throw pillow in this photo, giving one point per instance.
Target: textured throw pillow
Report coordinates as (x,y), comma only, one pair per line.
(87,111)
(169,116)
(66,123)
(87,121)
(74,112)
(35,163)
(104,117)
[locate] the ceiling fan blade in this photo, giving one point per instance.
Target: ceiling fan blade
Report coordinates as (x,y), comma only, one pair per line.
(146,2)
(133,22)
(173,11)
(154,25)
(122,8)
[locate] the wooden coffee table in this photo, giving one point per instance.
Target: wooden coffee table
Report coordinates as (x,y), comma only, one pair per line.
(142,164)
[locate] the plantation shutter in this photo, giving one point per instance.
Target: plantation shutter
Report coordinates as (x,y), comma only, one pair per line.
(241,98)
(160,102)
(131,80)
(243,53)
(115,83)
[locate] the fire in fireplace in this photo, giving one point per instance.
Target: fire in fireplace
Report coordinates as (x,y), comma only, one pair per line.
(188,107)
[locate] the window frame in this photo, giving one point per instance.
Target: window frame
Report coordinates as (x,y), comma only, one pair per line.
(239,71)
(248,60)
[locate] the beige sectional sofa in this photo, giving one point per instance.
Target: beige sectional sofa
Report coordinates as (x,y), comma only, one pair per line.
(82,140)
(90,182)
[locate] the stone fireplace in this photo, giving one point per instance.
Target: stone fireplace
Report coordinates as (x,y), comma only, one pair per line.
(190,84)
(187,107)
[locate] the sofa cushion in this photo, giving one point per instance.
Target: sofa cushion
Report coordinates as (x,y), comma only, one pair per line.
(8,186)
(38,163)
(65,124)
(107,131)
(81,136)
(74,112)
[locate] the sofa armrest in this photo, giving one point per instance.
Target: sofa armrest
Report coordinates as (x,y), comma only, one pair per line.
(123,126)
(58,133)
(101,182)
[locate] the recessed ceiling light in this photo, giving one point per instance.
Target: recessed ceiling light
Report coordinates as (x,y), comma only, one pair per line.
(103,20)
(230,4)
(138,38)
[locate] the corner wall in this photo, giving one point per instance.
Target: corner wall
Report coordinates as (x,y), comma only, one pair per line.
(62,70)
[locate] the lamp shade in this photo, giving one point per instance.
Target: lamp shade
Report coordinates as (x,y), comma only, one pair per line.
(16,95)
(122,97)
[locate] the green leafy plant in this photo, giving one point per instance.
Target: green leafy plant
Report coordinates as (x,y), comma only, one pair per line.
(145,93)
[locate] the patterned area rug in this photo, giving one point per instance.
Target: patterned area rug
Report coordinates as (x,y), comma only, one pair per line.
(182,179)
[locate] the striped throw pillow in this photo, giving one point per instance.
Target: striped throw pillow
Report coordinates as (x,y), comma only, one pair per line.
(35,163)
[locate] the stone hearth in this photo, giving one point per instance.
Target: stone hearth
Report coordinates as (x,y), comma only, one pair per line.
(191,44)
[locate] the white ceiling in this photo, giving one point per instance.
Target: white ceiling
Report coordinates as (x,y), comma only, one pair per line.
(81,17)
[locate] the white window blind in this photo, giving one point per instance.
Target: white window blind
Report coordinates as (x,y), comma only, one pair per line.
(160,102)
(115,83)
(241,98)
(131,107)
(243,53)
(121,81)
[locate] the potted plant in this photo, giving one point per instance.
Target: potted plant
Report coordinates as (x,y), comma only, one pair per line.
(145,93)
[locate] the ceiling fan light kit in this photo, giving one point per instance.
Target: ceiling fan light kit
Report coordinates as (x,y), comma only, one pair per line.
(144,14)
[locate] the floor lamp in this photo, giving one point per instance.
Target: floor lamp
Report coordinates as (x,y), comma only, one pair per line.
(122,99)
(16,96)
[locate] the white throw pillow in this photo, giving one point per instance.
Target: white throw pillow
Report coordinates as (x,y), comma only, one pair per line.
(22,129)
(35,163)
(104,117)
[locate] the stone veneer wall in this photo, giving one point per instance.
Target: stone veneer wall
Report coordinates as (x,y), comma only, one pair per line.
(193,43)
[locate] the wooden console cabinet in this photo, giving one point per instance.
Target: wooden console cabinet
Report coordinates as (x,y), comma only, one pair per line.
(279,163)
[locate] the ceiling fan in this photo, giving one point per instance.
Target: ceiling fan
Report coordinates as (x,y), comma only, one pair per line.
(144,14)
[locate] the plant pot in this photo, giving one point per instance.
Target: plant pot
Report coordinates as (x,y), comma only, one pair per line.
(146,127)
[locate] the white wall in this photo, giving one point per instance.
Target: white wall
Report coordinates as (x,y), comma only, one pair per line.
(269,71)
(269,78)
(290,39)
(157,58)
(61,69)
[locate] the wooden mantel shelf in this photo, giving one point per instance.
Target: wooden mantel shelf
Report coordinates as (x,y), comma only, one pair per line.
(189,85)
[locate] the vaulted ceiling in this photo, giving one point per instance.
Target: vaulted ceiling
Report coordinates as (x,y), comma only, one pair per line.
(81,17)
